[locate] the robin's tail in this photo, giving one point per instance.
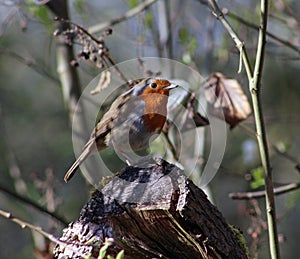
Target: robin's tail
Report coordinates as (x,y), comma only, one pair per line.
(85,153)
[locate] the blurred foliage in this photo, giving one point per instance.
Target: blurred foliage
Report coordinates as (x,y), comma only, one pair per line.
(79,6)
(41,13)
(35,128)
(149,18)
(258,179)
(189,42)
(292,200)
(103,252)
(133,3)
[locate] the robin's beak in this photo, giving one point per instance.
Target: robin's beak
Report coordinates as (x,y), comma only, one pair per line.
(171,86)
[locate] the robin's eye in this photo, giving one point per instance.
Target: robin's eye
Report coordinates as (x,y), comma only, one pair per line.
(153,85)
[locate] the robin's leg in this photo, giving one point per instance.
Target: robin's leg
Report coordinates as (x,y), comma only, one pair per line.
(129,157)
(132,158)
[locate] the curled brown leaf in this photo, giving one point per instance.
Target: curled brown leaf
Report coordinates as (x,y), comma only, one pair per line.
(226,99)
(104,81)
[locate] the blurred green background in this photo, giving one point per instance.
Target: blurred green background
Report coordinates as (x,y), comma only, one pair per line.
(36,146)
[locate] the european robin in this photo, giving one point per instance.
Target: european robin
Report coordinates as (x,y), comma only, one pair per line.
(134,119)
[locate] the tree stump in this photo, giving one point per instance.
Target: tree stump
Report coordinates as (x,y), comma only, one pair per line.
(151,210)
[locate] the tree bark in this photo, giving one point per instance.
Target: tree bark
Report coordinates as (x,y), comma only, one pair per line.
(151,210)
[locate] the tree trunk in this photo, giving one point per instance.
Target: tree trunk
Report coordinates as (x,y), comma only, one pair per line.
(151,210)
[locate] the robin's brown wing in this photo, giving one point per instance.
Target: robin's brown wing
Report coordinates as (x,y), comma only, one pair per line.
(97,139)
(125,105)
(126,114)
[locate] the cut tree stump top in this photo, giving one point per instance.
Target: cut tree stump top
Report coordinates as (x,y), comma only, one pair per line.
(151,210)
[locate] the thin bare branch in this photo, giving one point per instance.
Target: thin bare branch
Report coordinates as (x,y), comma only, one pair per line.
(284,154)
(255,87)
(24,224)
(239,44)
(169,44)
(30,63)
(171,146)
(261,194)
(124,78)
(19,183)
(33,204)
(261,48)
(134,11)
(291,12)
(79,27)
(271,35)
(287,156)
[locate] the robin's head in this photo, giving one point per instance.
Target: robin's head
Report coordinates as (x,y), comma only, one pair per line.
(154,86)
(154,93)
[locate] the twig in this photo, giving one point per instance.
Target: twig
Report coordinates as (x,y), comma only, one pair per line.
(33,204)
(287,156)
(171,146)
(254,26)
(255,84)
(258,225)
(124,78)
(18,181)
(290,11)
(9,16)
(169,43)
(239,44)
(25,224)
(271,35)
(30,63)
(94,39)
(79,27)
(134,11)
(255,87)
(261,194)
(38,229)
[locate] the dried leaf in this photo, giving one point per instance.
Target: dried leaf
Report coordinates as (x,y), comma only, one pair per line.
(226,99)
(104,81)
